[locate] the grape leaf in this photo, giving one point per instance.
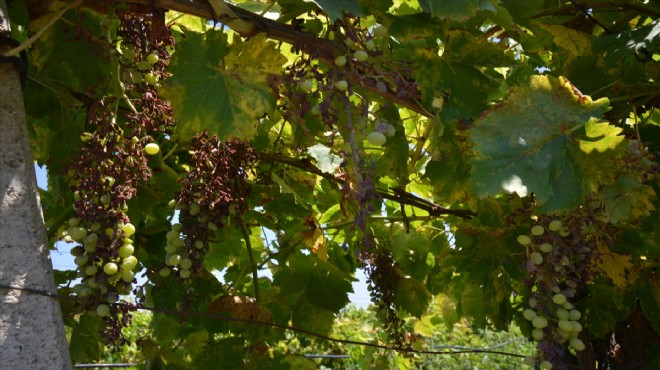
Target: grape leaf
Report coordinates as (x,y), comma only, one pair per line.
(228,246)
(539,140)
(614,265)
(221,88)
(85,338)
(605,304)
(472,303)
(523,10)
(576,42)
(322,283)
(462,47)
(465,86)
(52,54)
(412,296)
(626,43)
(627,199)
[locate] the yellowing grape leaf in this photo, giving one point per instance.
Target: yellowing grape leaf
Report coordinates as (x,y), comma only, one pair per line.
(576,42)
(614,265)
(220,87)
(540,140)
(627,199)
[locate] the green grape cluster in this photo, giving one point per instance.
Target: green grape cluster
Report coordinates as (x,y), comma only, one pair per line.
(102,271)
(177,258)
(552,258)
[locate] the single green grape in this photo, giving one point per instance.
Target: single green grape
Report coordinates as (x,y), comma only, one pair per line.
(559,299)
(103,310)
(127,276)
(524,240)
(126,251)
(537,230)
(360,55)
(529,314)
(110,268)
(341,85)
(376,138)
(152,58)
(554,225)
(340,61)
(91,270)
(128,229)
(151,79)
(577,344)
(536,258)
(539,322)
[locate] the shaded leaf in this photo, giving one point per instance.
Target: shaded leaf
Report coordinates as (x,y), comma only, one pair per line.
(412,296)
(455,10)
(321,283)
(538,140)
(335,8)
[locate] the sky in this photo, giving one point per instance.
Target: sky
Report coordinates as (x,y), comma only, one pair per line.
(62,259)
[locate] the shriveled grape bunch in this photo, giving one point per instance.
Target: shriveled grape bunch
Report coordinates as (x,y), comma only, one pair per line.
(384,278)
(214,191)
(111,165)
(560,255)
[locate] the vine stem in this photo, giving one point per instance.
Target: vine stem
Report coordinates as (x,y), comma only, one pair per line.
(253,263)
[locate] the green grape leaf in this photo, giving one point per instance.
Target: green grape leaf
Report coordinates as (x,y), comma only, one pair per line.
(472,303)
(322,283)
(325,161)
(228,246)
(86,338)
(335,8)
(412,296)
(308,315)
(649,299)
(456,10)
(539,140)
(221,88)
(449,170)
(605,305)
(522,11)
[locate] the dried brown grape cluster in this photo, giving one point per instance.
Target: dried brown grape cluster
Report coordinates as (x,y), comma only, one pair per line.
(215,190)
(384,278)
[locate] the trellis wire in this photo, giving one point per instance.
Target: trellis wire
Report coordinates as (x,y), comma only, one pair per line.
(186,314)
